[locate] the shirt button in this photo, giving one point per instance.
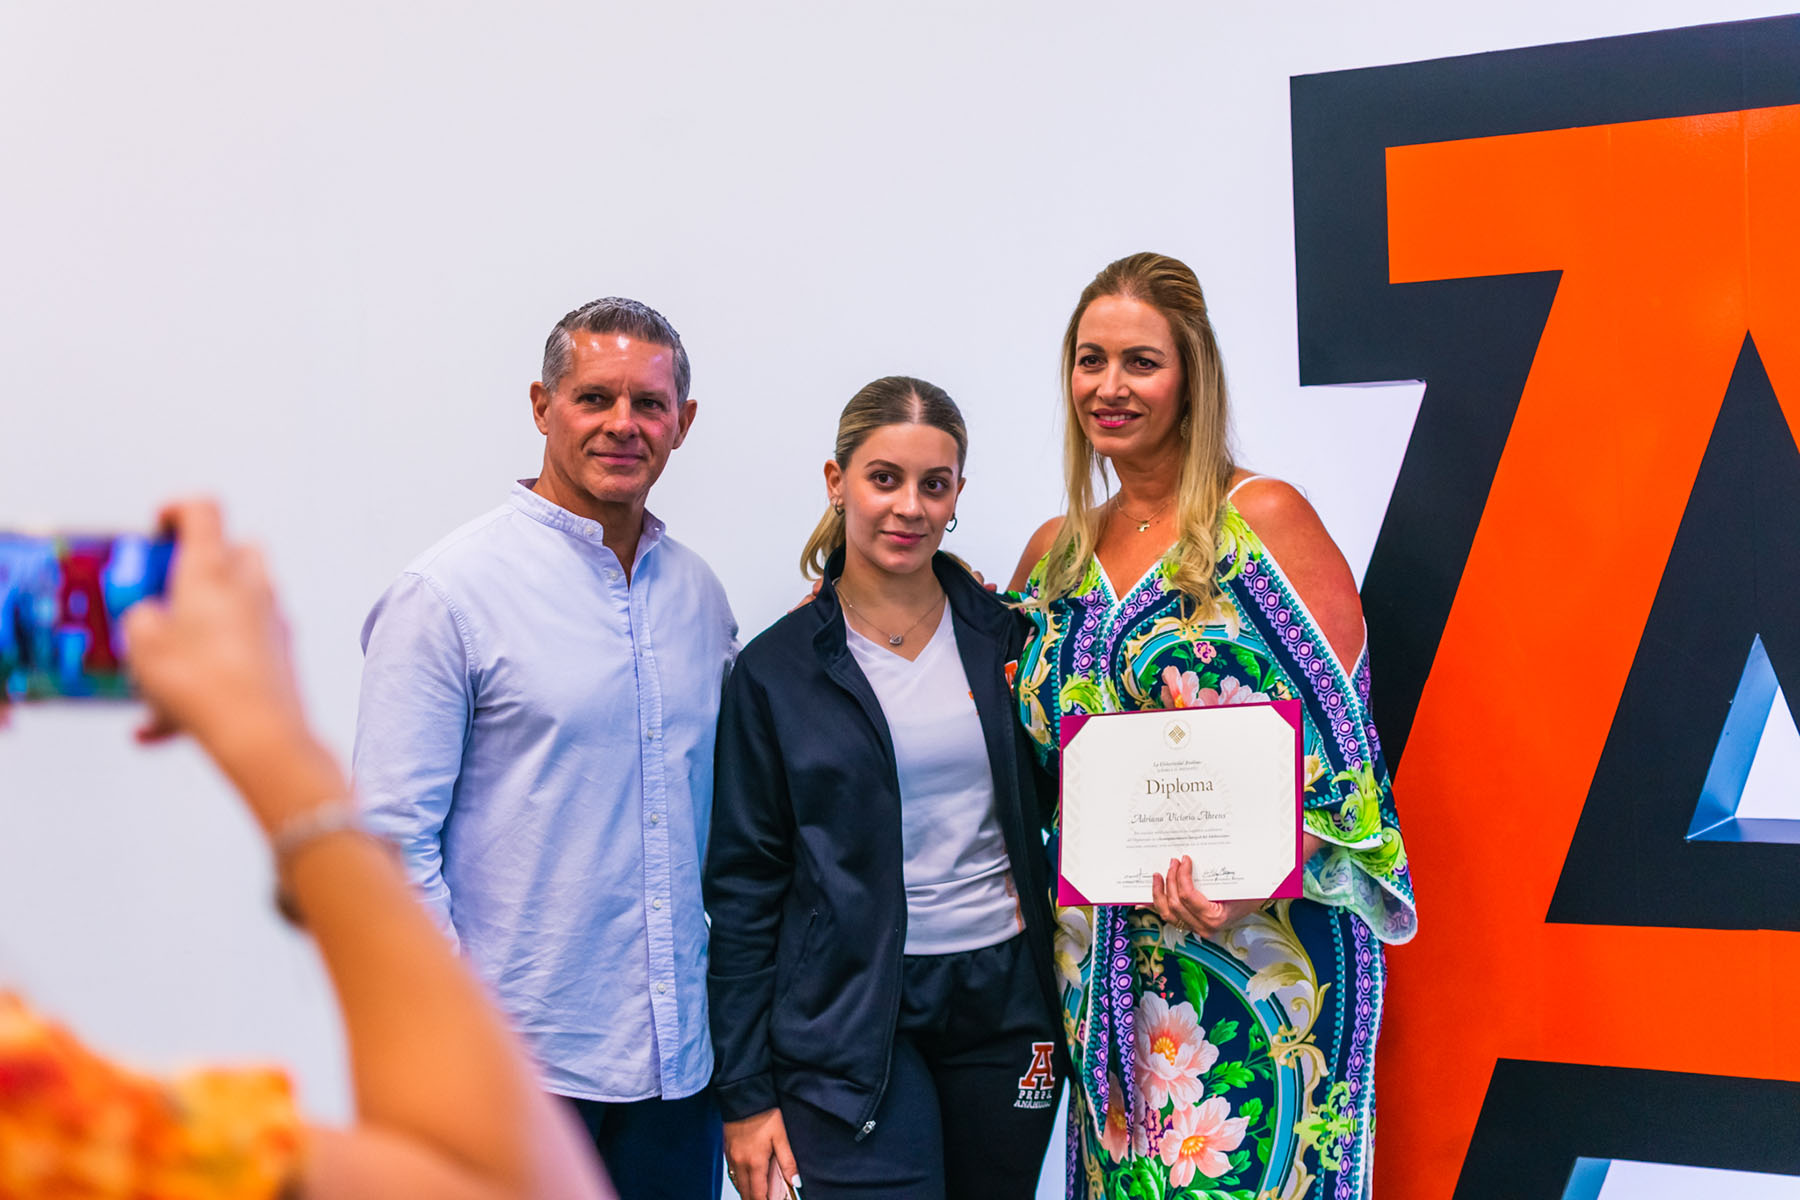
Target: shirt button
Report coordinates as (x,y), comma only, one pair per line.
(612,574)
(662,989)
(655,819)
(657,904)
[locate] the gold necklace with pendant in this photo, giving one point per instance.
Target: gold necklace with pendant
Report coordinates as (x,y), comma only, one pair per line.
(1143,525)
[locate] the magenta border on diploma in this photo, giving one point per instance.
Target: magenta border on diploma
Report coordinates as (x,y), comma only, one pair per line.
(1291,711)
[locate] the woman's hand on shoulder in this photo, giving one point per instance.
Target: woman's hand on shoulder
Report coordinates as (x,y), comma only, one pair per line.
(1294,535)
(1036,548)
(809,597)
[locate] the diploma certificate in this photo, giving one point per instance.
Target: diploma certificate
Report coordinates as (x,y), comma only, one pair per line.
(1221,784)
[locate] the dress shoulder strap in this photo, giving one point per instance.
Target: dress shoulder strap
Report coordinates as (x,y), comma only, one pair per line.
(1240,483)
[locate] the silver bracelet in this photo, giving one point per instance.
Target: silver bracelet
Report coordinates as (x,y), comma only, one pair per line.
(302,830)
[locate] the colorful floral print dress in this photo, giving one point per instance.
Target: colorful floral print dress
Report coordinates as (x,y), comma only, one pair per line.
(1245,1061)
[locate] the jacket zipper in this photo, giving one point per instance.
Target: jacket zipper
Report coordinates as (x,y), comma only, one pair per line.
(879,720)
(868,1125)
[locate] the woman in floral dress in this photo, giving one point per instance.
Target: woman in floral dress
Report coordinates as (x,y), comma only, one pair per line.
(1220,1049)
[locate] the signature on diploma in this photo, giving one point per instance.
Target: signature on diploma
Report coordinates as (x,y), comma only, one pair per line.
(1194,816)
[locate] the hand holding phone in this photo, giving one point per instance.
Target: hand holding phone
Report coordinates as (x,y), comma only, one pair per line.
(779,1187)
(759,1162)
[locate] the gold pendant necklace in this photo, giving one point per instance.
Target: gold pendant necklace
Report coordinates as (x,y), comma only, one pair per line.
(1143,525)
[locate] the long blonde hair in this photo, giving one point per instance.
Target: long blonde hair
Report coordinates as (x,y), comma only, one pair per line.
(890,400)
(1169,286)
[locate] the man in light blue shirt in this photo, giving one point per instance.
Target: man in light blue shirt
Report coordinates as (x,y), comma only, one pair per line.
(539,697)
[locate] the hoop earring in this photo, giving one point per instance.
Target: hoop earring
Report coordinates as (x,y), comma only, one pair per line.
(837,506)
(950,525)
(1184,425)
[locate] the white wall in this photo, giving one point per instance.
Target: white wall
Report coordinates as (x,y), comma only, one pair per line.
(304,256)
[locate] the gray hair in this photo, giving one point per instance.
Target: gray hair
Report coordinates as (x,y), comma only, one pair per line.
(613,314)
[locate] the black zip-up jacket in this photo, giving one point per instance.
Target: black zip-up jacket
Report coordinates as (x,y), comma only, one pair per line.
(804,879)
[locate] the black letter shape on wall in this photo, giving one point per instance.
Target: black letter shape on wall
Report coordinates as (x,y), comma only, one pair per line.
(1472,341)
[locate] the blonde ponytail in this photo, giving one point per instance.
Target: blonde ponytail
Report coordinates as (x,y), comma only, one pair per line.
(826,540)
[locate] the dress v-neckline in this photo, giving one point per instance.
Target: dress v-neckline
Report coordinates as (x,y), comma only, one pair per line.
(1119,598)
(1149,571)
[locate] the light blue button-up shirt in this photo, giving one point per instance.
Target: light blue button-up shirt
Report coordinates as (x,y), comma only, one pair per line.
(537,736)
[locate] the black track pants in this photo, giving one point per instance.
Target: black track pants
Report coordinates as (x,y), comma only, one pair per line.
(971,1092)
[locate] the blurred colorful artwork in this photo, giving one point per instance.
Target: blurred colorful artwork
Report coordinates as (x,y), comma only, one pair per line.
(61,597)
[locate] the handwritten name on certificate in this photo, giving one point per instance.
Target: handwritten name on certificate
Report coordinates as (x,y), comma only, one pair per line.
(1222,785)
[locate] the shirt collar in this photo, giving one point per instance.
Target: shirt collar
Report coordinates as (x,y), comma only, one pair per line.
(544,512)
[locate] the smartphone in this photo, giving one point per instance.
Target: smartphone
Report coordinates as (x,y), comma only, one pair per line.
(780,1188)
(61,597)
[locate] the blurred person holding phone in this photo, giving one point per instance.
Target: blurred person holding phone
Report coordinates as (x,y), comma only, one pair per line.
(540,694)
(445,1098)
(883,999)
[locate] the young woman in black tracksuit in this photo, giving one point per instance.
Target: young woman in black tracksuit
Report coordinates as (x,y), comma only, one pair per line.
(883,1003)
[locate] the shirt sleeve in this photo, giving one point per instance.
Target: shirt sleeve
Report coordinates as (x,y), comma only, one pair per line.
(1363,864)
(411,726)
(732,645)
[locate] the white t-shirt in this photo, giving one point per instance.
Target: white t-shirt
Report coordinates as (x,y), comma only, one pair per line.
(959,886)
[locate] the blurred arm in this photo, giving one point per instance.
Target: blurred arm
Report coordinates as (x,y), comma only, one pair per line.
(447,1105)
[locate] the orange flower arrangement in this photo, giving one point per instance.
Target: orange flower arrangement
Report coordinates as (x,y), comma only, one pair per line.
(76,1127)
